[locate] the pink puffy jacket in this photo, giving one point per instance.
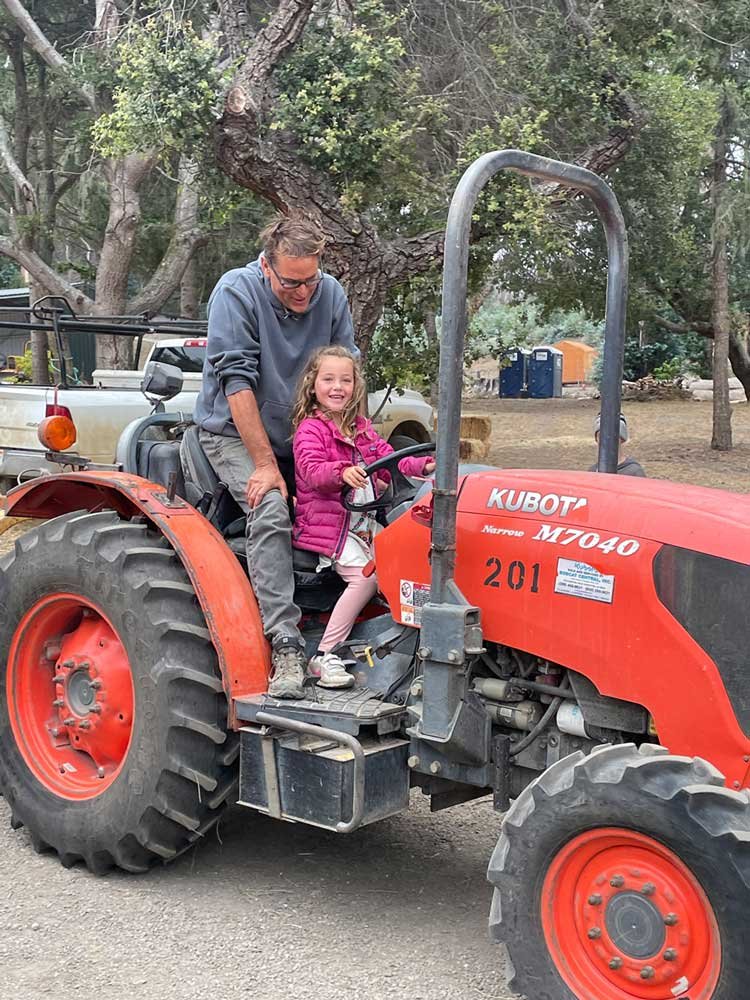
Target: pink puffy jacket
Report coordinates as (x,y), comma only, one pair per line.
(321,453)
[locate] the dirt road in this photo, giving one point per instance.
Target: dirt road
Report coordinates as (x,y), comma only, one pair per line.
(272,912)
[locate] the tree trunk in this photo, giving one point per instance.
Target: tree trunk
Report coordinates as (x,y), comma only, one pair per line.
(125,176)
(721,439)
(189,299)
(739,358)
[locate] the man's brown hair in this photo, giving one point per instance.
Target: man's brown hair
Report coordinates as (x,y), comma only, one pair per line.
(292,236)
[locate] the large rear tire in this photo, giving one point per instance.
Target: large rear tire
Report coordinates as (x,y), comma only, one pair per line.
(114,746)
(625,875)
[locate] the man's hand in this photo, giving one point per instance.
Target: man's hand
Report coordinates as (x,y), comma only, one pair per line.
(264,479)
(354,477)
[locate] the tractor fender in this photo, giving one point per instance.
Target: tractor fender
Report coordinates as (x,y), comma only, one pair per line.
(221,586)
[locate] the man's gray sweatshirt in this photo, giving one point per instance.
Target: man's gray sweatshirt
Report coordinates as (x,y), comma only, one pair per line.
(255,342)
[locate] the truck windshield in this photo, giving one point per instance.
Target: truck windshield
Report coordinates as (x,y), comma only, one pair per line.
(187,359)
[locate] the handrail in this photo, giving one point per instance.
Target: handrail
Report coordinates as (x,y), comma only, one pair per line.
(455,280)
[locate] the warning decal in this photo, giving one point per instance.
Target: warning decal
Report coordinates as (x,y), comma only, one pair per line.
(414,596)
(579,579)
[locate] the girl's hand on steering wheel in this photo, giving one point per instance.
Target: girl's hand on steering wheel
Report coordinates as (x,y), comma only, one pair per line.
(354,477)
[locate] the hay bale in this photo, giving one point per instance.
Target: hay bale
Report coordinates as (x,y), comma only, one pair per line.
(473,450)
(476,428)
(10,522)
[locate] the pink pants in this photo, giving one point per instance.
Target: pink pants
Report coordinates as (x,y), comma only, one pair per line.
(359,590)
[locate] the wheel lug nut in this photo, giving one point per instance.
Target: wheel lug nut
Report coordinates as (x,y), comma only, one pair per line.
(69,664)
(647,972)
(58,702)
(671,919)
(670,955)
(70,721)
(95,685)
(84,724)
(615,963)
(58,678)
(595,900)
(595,933)
(96,709)
(617,882)
(54,731)
(648,889)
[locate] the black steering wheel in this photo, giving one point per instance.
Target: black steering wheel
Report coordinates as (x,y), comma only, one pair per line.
(398,490)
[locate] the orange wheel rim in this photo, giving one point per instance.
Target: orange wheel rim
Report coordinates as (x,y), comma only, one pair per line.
(70,696)
(625,919)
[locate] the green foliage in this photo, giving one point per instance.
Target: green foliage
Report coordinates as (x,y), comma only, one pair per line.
(10,274)
(166,88)
(343,94)
(498,326)
(401,353)
(24,366)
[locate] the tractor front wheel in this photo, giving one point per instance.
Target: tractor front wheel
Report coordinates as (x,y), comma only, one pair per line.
(625,875)
(114,747)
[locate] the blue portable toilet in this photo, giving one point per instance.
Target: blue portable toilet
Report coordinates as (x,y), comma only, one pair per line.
(545,373)
(513,376)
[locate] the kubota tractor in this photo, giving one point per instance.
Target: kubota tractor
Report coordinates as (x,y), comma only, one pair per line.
(570,643)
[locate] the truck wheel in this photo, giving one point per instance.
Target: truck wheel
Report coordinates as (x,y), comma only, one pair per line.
(625,875)
(399,441)
(114,747)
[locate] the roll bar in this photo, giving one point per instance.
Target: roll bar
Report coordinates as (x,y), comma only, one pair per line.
(453,332)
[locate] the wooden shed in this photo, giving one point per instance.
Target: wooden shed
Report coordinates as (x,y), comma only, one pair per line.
(578,360)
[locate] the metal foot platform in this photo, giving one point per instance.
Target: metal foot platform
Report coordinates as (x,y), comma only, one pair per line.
(346,711)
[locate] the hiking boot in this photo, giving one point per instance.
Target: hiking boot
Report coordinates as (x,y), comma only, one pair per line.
(332,669)
(288,663)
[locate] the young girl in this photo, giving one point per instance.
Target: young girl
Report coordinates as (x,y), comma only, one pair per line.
(331,443)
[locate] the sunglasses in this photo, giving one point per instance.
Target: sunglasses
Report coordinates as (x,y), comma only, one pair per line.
(289,283)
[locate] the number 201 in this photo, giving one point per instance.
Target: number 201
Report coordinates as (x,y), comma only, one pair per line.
(515,576)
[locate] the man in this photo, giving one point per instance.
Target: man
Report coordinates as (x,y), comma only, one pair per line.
(625,466)
(264,321)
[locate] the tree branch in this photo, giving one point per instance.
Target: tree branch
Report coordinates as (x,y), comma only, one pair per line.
(699,326)
(187,238)
(250,84)
(235,20)
(22,184)
(45,49)
(49,279)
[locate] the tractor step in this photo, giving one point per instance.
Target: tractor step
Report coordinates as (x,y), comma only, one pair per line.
(309,774)
(346,711)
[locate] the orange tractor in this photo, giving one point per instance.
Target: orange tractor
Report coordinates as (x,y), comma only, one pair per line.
(568,643)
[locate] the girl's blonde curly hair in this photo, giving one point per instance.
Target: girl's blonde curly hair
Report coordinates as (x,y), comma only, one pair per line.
(305,402)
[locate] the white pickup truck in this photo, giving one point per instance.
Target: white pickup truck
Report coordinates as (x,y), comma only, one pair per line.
(101,412)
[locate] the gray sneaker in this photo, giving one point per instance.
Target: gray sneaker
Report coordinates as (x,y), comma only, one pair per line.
(288,664)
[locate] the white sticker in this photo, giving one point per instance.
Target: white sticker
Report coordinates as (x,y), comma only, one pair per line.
(414,596)
(579,579)
(541,355)
(681,987)
(70,768)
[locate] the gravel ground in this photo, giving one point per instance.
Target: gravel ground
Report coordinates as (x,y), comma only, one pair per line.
(266,910)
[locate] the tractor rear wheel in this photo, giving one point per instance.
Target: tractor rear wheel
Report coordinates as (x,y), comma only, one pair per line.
(114,747)
(625,875)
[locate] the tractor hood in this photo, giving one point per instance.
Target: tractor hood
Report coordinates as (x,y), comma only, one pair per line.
(706,520)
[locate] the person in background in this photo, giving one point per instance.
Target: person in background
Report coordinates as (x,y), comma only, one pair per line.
(626,466)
